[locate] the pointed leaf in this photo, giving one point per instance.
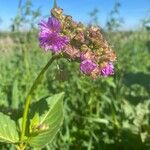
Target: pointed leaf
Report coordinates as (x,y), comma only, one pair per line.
(50,111)
(8,129)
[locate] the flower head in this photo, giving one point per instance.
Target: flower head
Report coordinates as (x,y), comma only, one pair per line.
(52,25)
(84,44)
(50,37)
(108,70)
(52,41)
(87,66)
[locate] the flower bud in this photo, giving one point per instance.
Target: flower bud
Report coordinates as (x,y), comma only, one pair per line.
(57,12)
(72,52)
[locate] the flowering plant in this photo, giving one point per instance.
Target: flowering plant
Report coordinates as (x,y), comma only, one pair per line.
(65,38)
(62,35)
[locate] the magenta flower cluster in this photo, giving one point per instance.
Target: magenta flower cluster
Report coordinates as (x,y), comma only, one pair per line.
(50,37)
(70,38)
(108,70)
(87,66)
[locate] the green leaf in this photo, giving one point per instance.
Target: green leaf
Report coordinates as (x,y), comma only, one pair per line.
(8,129)
(50,112)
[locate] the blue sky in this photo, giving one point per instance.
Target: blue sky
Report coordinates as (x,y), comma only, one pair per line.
(132,11)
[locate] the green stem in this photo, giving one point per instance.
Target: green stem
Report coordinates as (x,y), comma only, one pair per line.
(29,96)
(55,4)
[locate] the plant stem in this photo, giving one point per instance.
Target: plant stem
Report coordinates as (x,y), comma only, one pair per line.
(55,4)
(29,96)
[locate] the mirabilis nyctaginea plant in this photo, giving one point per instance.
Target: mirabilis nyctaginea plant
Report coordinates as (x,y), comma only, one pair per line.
(61,34)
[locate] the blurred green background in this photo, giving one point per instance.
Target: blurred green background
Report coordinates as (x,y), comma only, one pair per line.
(105,114)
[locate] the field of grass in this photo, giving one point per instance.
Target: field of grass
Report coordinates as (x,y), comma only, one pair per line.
(104,114)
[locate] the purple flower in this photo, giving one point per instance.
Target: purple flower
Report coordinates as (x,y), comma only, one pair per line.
(50,37)
(52,25)
(87,66)
(108,70)
(52,41)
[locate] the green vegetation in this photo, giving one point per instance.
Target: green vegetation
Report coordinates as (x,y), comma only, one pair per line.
(104,114)
(101,114)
